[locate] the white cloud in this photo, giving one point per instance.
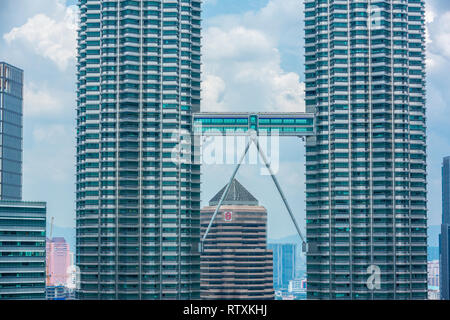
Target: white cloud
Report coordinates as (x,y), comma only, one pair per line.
(437,38)
(430,13)
(278,19)
(441,35)
(214,89)
(243,72)
(51,37)
(39,101)
(242,60)
(49,134)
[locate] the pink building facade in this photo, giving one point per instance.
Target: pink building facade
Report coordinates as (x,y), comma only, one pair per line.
(58,261)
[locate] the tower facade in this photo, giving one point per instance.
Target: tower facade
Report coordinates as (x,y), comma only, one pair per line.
(137,207)
(236,264)
(284,264)
(22,250)
(11,128)
(366,166)
(58,261)
(444,237)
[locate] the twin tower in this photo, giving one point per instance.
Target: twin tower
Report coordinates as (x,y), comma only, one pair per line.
(138,211)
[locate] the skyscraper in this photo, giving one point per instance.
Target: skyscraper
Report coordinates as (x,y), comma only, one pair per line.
(366,166)
(444,237)
(137,209)
(22,223)
(58,261)
(235,263)
(11,112)
(284,263)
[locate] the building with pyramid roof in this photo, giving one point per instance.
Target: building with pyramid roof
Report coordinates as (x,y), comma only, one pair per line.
(235,263)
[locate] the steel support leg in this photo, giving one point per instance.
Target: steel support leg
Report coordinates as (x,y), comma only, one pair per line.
(263,156)
(254,139)
(225,193)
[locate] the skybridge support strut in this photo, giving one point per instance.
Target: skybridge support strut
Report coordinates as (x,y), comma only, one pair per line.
(225,193)
(275,181)
(253,139)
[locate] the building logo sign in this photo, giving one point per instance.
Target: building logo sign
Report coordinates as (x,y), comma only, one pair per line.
(228,216)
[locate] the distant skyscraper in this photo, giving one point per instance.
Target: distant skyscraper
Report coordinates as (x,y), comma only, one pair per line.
(366,188)
(235,263)
(444,237)
(22,250)
(58,260)
(284,262)
(433,273)
(138,210)
(22,224)
(11,114)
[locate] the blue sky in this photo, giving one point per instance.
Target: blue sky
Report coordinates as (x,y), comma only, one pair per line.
(252,60)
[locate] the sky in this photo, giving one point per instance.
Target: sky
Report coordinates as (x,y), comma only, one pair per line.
(252,60)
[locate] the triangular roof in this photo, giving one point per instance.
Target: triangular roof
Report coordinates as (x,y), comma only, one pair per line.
(237,195)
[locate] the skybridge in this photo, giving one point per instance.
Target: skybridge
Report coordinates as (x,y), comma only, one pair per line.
(253,125)
(296,124)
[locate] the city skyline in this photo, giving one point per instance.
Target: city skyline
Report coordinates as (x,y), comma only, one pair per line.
(54,122)
(167,105)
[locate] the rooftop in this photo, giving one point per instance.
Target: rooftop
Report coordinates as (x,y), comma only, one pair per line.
(237,195)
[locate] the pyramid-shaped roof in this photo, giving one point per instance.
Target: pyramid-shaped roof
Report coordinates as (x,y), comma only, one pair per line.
(237,195)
